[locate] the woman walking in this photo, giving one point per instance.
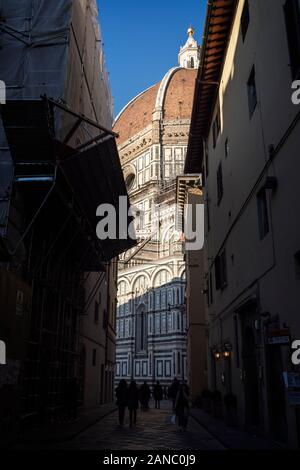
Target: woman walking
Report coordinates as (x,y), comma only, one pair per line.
(133,402)
(122,400)
(157,394)
(182,407)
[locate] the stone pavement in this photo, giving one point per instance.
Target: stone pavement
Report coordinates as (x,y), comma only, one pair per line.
(153,431)
(99,430)
(65,431)
(232,437)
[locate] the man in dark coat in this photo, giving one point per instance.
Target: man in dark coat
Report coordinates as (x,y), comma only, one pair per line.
(122,400)
(133,402)
(157,394)
(145,394)
(173,390)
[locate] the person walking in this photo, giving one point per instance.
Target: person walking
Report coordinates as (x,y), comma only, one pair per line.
(182,407)
(173,391)
(122,400)
(145,394)
(133,402)
(157,394)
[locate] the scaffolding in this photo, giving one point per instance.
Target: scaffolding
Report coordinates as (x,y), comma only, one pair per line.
(58,235)
(59,162)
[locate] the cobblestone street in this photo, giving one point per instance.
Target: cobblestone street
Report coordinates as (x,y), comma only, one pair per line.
(153,431)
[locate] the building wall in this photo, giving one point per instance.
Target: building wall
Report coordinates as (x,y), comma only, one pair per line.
(196,314)
(98,337)
(154,278)
(151,314)
(158,291)
(262,286)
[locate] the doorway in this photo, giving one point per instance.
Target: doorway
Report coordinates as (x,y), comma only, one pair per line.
(277,407)
(251,383)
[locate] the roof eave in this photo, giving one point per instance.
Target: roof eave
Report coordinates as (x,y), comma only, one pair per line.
(218,25)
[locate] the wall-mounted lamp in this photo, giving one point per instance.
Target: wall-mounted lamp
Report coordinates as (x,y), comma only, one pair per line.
(217,355)
(226,354)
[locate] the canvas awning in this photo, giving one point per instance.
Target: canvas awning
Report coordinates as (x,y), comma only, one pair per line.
(92,172)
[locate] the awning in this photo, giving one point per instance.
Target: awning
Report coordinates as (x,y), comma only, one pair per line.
(96,177)
(92,172)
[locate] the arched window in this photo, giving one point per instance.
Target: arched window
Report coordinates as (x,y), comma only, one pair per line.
(192,63)
(141,330)
(129,181)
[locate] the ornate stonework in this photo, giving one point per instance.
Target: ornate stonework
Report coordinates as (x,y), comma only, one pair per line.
(151,318)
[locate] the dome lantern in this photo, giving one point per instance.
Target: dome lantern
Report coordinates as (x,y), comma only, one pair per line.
(189,54)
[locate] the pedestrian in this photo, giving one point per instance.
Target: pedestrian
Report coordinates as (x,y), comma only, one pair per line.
(182,407)
(145,394)
(173,391)
(157,394)
(165,392)
(133,402)
(122,400)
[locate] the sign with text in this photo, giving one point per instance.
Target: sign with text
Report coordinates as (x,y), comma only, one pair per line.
(278,337)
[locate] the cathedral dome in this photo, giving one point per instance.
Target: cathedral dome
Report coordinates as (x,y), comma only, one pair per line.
(173,96)
(136,115)
(170,99)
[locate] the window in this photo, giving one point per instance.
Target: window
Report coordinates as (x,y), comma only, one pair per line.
(252,94)
(206,159)
(221,271)
(226,148)
(245,20)
(208,213)
(141,179)
(130,181)
(292,21)
(94,357)
(263,218)
(220,188)
(105,319)
(192,63)
(236,341)
(178,321)
(141,332)
(96,313)
(216,128)
(141,163)
(211,289)
(297,264)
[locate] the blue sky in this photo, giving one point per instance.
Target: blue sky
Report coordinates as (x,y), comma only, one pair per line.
(142,40)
